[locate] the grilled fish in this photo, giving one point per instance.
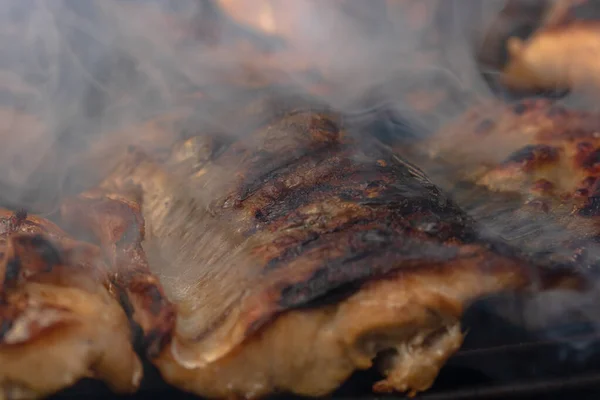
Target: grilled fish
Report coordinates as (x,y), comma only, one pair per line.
(540,155)
(59,319)
(301,251)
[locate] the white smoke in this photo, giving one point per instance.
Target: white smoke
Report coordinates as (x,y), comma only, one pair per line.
(73,73)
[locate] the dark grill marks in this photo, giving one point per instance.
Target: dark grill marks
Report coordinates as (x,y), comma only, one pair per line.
(369,254)
(137,333)
(269,169)
(298,139)
(157,301)
(139,283)
(40,253)
(152,341)
(364,191)
(5,326)
(12,272)
(47,252)
(364,182)
(281,207)
(523,155)
(533,155)
(592,160)
(151,315)
(592,205)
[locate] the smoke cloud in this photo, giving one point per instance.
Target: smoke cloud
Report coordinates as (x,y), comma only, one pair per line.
(78,78)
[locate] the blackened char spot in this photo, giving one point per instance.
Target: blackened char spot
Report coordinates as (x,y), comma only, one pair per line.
(311,292)
(292,252)
(592,160)
(47,251)
(137,333)
(21,215)
(153,342)
(131,234)
(13,268)
(270,167)
(156,299)
(258,214)
(521,155)
(370,255)
(288,204)
(5,325)
(333,296)
(530,153)
(592,207)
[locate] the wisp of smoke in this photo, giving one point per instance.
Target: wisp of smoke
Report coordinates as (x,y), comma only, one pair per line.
(74,73)
(79,78)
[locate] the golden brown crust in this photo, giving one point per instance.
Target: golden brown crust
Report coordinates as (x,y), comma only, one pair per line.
(542,159)
(534,147)
(305,220)
(116,222)
(301,215)
(411,315)
(57,315)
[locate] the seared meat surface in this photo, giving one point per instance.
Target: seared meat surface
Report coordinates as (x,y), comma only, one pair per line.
(59,321)
(300,251)
(115,222)
(541,161)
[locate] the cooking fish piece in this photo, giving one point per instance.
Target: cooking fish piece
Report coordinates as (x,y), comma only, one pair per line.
(116,223)
(542,155)
(302,251)
(564,56)
(59,321)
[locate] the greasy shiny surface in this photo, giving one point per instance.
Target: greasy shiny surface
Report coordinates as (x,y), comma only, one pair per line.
(57,314)
(115,222)
(541,155)
(276,231)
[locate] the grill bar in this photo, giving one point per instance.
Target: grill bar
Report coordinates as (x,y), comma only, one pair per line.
(518,347)
(516,390)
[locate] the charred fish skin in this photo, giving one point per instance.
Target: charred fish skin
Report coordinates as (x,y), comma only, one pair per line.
(314,243)
(57,313)
(532,173)
(116,223)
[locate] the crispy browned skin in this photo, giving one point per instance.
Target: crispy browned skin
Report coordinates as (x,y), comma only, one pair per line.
(544,154)
(299,252)
(117,224)
(533,146)
(58,321)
